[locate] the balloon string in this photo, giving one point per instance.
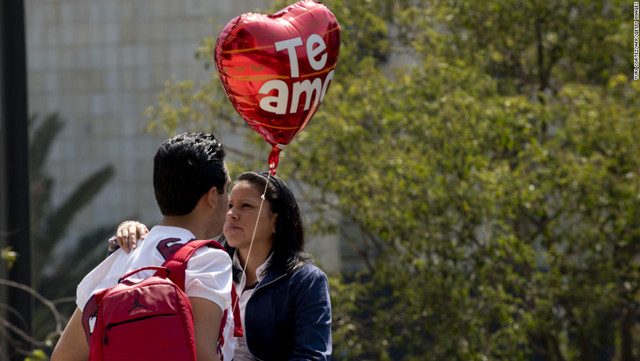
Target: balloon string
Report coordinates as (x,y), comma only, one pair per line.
(246,262)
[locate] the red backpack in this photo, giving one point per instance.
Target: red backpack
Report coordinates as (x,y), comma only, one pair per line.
(150,319)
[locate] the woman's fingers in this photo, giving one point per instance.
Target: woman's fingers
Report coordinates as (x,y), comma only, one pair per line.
(142,231)
(128,234)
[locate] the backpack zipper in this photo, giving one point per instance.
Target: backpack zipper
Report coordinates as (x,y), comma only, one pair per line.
(111,325)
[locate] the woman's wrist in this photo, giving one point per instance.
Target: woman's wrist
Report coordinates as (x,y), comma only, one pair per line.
(113,245)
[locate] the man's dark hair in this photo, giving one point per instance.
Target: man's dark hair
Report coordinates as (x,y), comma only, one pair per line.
(186,167)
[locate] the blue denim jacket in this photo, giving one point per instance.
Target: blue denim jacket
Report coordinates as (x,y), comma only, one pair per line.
(288,317)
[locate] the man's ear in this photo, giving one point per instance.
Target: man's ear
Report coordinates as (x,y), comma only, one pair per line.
(212,197)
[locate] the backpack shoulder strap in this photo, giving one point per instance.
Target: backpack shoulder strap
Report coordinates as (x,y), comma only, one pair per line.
(177,261)
(177,265)
(98,296)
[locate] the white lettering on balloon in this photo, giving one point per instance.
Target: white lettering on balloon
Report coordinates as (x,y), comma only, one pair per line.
(316,88)
(309,89)
(312,51)
(274,104)
(290,46)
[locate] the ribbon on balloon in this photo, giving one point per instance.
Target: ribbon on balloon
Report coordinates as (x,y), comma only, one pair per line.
(276,69)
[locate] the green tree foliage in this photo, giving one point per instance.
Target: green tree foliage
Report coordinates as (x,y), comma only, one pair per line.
(58,280)
(493,177)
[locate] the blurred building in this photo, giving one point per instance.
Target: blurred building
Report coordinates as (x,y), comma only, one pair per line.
(99,64)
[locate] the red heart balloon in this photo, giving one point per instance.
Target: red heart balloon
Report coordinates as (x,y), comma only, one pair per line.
(276,69)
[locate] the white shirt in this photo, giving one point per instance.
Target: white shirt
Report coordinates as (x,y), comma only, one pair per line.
(208,273)
(242,352)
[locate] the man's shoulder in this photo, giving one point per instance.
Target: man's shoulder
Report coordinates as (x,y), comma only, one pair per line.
(209,257)
(213,252)
(208,275)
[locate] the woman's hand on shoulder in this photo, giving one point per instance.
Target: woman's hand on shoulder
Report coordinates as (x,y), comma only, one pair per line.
(128,234)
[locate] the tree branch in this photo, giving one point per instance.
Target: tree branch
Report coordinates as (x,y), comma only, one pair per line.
(58,317)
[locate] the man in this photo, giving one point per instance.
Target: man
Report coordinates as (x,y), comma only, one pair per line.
(190,181)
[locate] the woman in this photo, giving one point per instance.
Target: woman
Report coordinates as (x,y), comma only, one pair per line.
(284,298)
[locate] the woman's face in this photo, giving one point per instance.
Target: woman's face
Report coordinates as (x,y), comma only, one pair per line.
(244,204)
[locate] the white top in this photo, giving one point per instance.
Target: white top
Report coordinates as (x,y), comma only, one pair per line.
(242,352)
(208,273)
